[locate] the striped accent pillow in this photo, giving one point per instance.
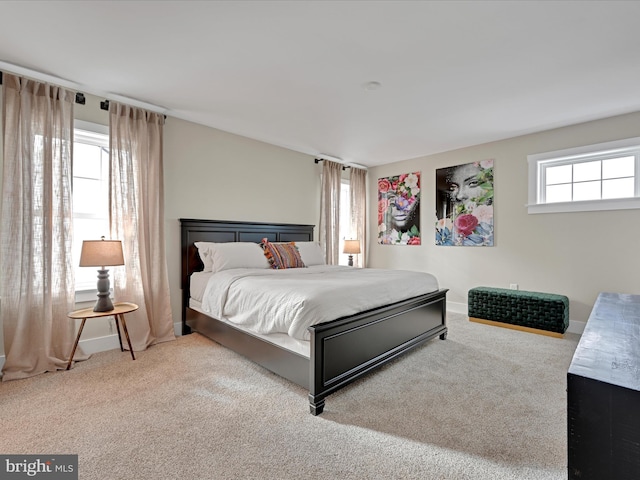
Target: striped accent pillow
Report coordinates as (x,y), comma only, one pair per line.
(282,255)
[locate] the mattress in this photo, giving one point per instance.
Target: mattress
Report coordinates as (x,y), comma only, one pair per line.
(266,301)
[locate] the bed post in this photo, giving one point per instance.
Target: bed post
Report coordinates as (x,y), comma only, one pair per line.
(315,408)
(443,335)
(186,329)
(185,274)
(316,399)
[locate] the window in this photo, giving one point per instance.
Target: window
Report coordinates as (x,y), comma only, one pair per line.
(90,197)
(595,177)
(345,219)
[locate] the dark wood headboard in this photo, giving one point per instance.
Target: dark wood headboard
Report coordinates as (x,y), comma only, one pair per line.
(194,230)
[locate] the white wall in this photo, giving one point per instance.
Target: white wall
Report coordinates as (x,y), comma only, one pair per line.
(574,254)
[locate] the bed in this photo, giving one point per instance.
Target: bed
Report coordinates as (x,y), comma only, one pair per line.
(338,351)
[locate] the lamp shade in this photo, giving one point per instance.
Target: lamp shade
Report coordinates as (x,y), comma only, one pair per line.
(351,247)
(101,253)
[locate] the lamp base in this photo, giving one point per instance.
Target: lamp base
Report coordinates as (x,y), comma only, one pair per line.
(351,260)
(104,303)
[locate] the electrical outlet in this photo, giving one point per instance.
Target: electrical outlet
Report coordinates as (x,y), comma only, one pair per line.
(513,286)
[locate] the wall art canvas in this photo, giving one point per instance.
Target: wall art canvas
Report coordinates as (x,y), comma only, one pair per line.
(399,209)
(464,204)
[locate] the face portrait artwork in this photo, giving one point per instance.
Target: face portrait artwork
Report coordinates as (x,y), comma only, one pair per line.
(464,204)
(399,209)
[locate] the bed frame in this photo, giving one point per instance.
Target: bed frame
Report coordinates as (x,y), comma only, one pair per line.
(342,350)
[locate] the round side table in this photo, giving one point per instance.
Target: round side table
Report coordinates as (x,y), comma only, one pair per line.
(119,309)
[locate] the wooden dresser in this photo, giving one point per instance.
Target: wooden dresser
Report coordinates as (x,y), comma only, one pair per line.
(603,393)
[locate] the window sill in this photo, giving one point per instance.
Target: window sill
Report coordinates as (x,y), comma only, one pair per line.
(585,206)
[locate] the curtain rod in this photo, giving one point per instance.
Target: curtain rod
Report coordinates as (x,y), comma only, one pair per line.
(344,164)
(323,156)
(43,77)
(104,105)
(80,98)
(318,160)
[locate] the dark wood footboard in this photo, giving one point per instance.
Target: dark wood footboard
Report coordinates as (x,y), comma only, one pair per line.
(345,350)
(342,350)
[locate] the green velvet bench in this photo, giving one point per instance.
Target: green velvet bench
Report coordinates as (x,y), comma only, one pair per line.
(544,313)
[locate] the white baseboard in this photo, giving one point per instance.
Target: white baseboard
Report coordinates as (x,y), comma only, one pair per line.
(99,344)
(457,307)
(110,342)
(575,326)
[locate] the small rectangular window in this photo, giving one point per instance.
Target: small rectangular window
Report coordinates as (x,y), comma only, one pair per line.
(595,177)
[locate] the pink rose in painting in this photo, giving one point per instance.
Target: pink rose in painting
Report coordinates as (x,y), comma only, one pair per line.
(484,213)
(486,163)
(383,185)
(465,224)
(413,241)
(383,204)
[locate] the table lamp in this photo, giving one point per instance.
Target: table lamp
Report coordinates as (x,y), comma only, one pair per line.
(102,253)
(352,247)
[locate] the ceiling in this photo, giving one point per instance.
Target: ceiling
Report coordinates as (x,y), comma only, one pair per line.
(294,73)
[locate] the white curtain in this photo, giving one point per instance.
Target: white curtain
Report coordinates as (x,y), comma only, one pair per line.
(137,218)
(37,281)
(358,204)
(330,211)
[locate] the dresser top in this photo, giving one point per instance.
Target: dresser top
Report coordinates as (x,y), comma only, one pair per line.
(609,350)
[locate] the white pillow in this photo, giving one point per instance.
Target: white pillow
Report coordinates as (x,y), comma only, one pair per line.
(311,253)
(205,255)
(224,256)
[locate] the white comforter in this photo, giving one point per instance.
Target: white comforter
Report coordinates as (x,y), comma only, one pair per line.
(289,301)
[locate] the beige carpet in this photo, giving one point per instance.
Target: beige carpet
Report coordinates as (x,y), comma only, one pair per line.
(487,403)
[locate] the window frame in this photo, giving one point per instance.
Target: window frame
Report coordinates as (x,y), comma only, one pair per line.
(571,156)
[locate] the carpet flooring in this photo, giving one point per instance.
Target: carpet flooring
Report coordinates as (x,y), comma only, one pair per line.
(487,403)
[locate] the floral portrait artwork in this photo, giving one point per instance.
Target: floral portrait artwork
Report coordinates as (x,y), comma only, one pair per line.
(399,209)
(464,204)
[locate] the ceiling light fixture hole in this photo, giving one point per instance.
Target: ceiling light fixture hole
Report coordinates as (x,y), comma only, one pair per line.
(370,86)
